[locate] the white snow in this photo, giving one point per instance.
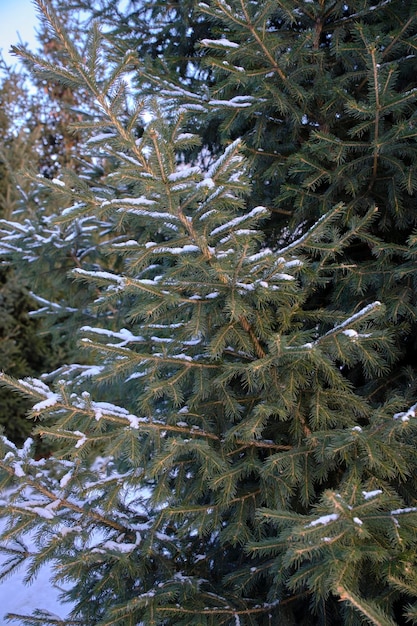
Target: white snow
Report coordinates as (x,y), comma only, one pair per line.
(187,249)
(74,207)
(18,469)
(103,409)
(139,201)
(82,438)
(182,357)
(206,182)
(406,415)
(281,276)
(374,306)
(258,256)
(65,480)
(219,42)
(238,102)
(125,335)
(184,173)
(371,494)
(186,136)
(411,509)
(150,214)
(101,137)
(51,400)
(42,512)
(114,545)
(259,210)
(349,332)
(324,520)
(103,275)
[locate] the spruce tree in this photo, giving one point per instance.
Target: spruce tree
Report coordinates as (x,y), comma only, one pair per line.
(241,448)
(34,137)
(24,347)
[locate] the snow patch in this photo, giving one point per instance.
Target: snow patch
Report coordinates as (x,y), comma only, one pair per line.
(406,415)
(371,494)
(411,509)
(323,520)
(82,438)
(350,332)
(224,43)
(51,400)
(257,211)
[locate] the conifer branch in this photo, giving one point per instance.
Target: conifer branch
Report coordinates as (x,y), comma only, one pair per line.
(63,502)
(395,40)
(374,615)
(44,620)
(377,113)
(251,27)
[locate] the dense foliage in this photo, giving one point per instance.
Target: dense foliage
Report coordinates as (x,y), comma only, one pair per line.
(24,349)
(235,441)
(35,140)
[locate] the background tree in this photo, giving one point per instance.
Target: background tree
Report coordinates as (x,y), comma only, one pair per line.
(24,349)
(36,140)
(251,383)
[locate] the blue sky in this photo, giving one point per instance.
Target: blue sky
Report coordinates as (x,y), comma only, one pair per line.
(18,18)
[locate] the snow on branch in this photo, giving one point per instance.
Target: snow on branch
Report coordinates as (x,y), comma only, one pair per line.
(222,43)
(124,335)
(224,158)
(324,520)
(406,415)
(33,387)
(360,315)
(99,275)
(306,237)
(256,212)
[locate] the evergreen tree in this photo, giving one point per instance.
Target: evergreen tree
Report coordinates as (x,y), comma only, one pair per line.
(165,36)
(24,349)
(40,145)
(33,137)
(251,385)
